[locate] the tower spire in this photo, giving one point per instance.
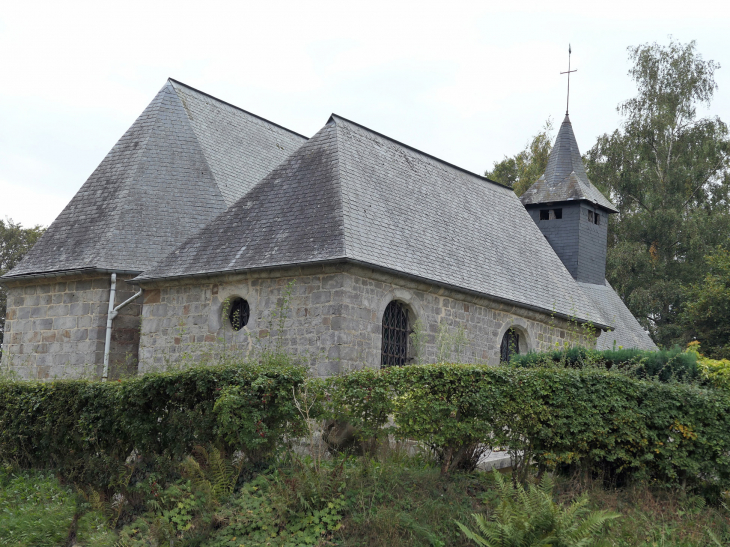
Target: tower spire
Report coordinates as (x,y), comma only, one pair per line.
(567,102)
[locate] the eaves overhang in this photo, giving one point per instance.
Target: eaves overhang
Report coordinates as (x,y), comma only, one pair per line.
(569,201)
(142,281)
(9,280)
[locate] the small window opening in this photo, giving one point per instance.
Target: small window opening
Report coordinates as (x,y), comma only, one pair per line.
(239,313)
(590,217)
(596,218)
(396,330)
(510,345)
(551,214)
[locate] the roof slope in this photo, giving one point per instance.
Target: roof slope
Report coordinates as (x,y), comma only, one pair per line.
(627,333)
(241,147)
(293,216)
(565,177)
(352,193)
(179,165)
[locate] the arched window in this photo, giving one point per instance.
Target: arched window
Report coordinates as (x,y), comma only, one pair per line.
(239,313)
(395,336)
(510,345)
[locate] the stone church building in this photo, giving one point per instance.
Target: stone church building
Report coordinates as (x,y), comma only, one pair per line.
(209,230)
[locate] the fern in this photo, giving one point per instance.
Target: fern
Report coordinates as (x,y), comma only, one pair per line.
(211,472)
(530,517)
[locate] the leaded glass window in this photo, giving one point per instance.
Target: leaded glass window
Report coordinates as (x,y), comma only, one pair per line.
(395,336)
(510,345)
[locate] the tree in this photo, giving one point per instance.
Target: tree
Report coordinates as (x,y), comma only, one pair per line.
(667,171)
(706,313)
(522,170)
(15,242)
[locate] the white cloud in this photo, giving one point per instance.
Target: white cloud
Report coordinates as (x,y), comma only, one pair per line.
(29,206)
(463,80)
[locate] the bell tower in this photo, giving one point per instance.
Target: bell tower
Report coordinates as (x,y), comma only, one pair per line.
(571,213)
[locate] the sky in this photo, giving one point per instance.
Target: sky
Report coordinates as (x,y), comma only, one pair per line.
(468,82)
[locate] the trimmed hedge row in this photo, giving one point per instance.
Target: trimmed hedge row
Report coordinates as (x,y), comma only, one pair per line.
(597,419)
(590,417)
(87,429)
(664,365)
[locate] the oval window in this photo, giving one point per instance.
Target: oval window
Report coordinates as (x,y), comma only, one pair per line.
(239,313)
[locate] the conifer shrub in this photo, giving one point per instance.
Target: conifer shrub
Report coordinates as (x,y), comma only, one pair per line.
(665,365)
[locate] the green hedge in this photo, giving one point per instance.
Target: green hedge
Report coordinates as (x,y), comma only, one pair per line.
(665,365)
(601,420)
(590,417)
(87,429)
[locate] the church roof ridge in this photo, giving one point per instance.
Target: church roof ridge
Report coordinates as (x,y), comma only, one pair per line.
(565,177)
(351,194)
(426,154)
(236,107)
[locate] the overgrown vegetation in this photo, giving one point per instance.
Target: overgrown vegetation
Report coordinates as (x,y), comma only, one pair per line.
(234,454)
(530,516)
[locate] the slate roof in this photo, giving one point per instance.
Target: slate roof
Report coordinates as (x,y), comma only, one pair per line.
(352,194)
(627,332)
(565,177)
(184,160)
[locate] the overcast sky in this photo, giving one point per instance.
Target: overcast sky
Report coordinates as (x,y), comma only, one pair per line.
(468,82)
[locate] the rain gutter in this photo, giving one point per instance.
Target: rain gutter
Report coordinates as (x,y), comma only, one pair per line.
(111,314)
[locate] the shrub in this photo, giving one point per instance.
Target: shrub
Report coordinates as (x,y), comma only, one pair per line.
(601,420)
(664,365)
(715,371)
(87,429)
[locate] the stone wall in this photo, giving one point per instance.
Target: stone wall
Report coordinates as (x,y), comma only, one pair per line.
(56,327)
(334,318)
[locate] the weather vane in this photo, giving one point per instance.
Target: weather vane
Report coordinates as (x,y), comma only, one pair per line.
(567,102)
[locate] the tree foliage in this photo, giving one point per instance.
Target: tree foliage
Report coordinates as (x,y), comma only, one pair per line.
(522,170)
(706,313)
(15,242)
(667,171)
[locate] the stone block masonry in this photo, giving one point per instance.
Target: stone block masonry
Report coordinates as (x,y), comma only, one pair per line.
(55,327)
(334,318)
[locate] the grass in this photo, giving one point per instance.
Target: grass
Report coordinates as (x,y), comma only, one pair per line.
(34,510)
(653,516)
(391,499)
(408,503)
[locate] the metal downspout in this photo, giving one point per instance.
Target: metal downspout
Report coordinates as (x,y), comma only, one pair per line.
(111,314)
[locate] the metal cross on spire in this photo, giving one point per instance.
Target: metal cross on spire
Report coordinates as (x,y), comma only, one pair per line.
(567,102)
